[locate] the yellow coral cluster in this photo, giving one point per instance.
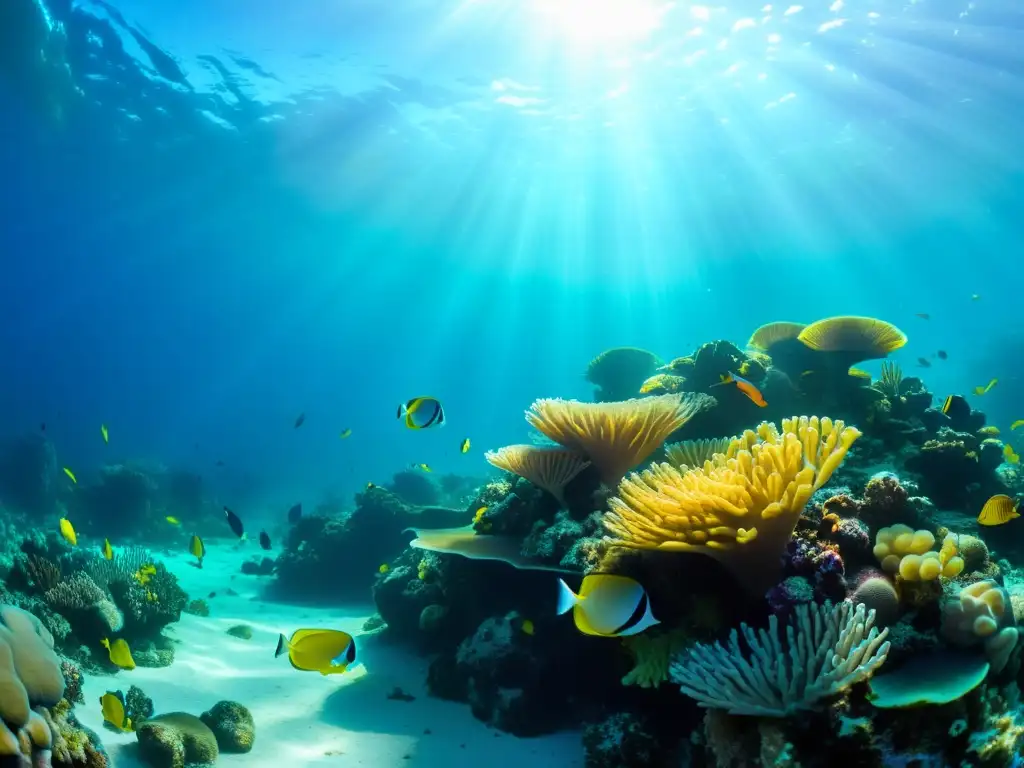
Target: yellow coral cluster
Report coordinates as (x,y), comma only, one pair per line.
(902,550)
(740,507)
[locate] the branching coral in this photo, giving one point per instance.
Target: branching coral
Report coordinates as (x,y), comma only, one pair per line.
(615,436)
(826,650)
(742,510)
(42,572)
(548,468)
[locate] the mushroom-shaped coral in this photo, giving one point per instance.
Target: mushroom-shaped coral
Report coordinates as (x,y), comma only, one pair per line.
(549,468)
(930,679)
(770,334)
(619,372)
(615,436)
(904,551)
(981,614)
(740,511)
(853,339)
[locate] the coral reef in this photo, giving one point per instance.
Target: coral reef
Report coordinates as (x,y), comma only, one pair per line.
(175,739)
(232,725)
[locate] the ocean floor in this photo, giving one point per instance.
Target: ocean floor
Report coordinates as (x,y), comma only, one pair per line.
(303,718)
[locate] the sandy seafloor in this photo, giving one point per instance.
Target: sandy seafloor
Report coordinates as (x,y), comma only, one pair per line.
(303,718)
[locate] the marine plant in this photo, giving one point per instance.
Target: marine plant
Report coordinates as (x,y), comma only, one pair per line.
(891,380)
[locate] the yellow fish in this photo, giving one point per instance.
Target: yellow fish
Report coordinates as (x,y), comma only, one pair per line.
(998,510)
(71,474)
(196,548)
(979,391)
(1012,457)
(327,651)
(464,446)
(345,433)
(1017,423)
(105,433)
(67,530)
(120,654)
(145,573)
(527,627)
(384,568)
(112,707)
(479,515)
(607,605)
(424,467)
(108,551)
(172,520)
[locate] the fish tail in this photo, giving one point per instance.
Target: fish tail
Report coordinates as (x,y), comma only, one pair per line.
(282,646)
(566,598)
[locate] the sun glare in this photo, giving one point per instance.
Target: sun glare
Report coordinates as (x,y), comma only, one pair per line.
(603,21)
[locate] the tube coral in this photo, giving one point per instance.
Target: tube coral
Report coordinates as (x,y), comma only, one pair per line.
(615,436)
(742,510)
(548,468)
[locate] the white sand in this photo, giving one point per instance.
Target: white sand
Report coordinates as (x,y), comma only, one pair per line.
(303,718)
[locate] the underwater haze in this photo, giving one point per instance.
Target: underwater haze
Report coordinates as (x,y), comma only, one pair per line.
(239,239)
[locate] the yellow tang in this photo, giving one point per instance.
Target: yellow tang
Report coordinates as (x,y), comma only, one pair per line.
(67,530)
(196,548)
(607,605)
(327,651)
(479,515)
(998,510)
(71,474)
(145,573)
(984,390)
(112,707)
(1017,423)
(105,433)
(1012,457)
(108,551)
(172,520)
(421,413)
(424,467)
(464,446)
(384,568)
(345,433)
(120,654)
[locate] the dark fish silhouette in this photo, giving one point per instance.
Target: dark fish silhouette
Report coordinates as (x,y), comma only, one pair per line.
(300,421)
(923,362)
(295,513)
(923,315)
(942,354)
(235,522)
(220,463)
(42,426)
(264,540)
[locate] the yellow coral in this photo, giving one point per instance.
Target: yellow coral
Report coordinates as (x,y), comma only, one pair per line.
(770,334)
(740,510)
(902,550)
(615,436)
(662,384)
(862,338)
(652,653)
(693,453)
(548,468)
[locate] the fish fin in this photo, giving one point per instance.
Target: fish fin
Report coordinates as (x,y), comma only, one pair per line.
(567,599)
(282,646)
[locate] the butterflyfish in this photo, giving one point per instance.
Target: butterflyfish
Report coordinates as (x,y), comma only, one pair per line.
(979,391)
(422,413)
(943,355)
(295,514)
(1017,423)
(464,446)
(300,420)
(105,433)
(1011,456)
(998,510)
(197,549)
(607,605)
(120,654)
(108,551)
(71,474)
(743,386)
(345,433)
(327,651)
(67,530)
(112,707)
(234,522)
(956,407)
(172,520)
(264,540)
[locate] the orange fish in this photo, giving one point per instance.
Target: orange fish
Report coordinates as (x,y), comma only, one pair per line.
(745,387)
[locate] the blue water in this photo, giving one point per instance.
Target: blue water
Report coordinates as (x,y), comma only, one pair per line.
(218,215)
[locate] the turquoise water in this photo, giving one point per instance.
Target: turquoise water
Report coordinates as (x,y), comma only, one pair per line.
(216,217)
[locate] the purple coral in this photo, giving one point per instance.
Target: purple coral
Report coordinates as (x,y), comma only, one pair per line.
(785,596)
